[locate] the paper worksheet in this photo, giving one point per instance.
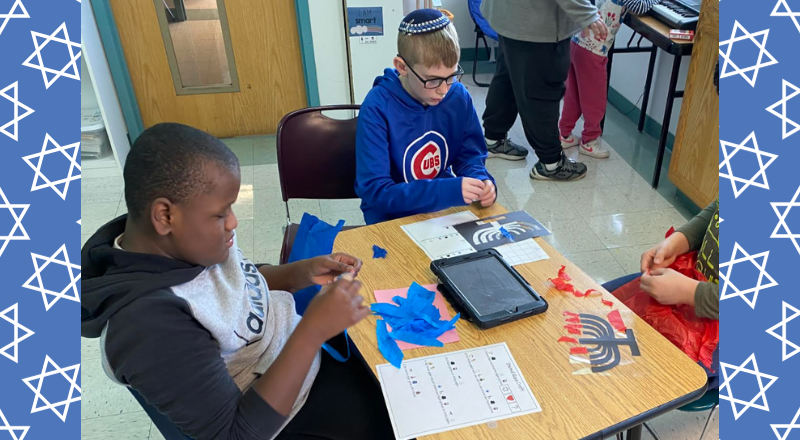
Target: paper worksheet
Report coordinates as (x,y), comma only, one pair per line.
(522,252)
(454,390)
(438,238)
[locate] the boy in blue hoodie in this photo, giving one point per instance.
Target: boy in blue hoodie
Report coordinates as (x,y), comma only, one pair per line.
(419,145)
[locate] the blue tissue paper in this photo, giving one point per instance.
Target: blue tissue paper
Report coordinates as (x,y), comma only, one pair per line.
(378,252)
(414,319)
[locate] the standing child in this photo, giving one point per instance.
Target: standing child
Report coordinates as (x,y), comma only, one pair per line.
(587,78)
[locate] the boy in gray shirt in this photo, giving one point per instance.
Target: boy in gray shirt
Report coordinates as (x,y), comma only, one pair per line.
(202,334)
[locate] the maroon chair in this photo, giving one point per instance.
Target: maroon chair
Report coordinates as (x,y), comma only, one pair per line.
(316,160)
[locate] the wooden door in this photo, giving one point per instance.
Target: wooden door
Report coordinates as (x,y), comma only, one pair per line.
(266,60)
(695,155)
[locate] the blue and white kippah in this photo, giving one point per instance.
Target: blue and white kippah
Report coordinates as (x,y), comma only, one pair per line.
(423,21)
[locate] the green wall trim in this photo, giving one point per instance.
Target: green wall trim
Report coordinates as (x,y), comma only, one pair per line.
(468,54)
(651,126)
(307,52)
(119,68)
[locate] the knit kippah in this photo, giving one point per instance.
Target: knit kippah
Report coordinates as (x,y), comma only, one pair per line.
(423,21)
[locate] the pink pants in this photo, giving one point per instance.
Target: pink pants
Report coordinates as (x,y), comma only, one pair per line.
(586,93)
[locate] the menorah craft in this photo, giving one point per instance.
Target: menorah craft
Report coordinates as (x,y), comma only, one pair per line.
(602,345)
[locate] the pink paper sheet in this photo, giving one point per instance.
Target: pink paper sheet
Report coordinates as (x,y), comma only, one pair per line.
(385,296)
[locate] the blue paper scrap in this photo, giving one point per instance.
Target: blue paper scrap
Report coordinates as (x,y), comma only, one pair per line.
(378,252)
(414,320)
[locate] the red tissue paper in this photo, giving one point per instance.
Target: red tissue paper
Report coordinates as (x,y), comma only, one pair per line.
(697,337)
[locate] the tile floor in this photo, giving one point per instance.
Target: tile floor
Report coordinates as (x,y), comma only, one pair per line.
(603,223)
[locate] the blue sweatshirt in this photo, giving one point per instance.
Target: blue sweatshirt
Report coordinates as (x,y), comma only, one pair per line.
(408,155)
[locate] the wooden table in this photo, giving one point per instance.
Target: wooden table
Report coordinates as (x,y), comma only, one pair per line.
(573,406)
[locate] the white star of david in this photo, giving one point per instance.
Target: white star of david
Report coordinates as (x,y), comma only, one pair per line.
(13,14)
(788,427)
(762,389)
(762,50)
(38,277)
(17,221)
(726,163)
(17,327)
(788,13)
(782,219)
(782,326)
(73,164)
(6,427)
(726,276)
(38,389)
(15,122)
(38,55)
(782,114)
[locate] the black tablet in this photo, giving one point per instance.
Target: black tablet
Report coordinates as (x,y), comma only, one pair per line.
(487,289)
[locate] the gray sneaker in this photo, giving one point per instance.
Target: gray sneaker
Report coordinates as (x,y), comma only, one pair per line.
(505,149)
(566,171)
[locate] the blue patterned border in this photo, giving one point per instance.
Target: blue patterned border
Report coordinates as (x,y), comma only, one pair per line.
(39,214)
(759,155)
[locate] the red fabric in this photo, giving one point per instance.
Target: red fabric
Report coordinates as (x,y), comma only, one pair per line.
(578,350)
(697,337)
(567,339)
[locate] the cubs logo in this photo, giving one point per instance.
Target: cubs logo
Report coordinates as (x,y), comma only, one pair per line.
(425,158)
(427,162)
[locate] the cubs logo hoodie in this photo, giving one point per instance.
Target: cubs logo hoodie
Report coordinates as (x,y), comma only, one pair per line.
(411,158)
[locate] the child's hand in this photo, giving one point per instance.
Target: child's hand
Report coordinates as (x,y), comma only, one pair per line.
(325,269)
(664,254)
(471,189)
(334,309)
(669,287)
(599,29)
(489,195)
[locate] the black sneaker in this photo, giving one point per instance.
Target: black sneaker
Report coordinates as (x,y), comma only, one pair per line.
(566,171)
(505,149)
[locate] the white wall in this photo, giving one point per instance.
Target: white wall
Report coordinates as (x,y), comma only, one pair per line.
(369,60)
(464,24)
(330,52)
(97,68)
(88,98)
(629,72)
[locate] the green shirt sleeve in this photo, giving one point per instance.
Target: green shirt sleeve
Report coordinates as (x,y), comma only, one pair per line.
(696,228)
(706,300)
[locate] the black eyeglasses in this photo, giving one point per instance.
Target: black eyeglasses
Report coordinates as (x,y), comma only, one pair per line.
(436,82)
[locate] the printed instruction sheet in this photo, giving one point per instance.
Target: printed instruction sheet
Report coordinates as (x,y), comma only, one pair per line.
(438,238)
(454,390)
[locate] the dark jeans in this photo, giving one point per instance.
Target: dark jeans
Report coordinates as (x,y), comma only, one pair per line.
(345,403)
(713,376)
(530,80)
